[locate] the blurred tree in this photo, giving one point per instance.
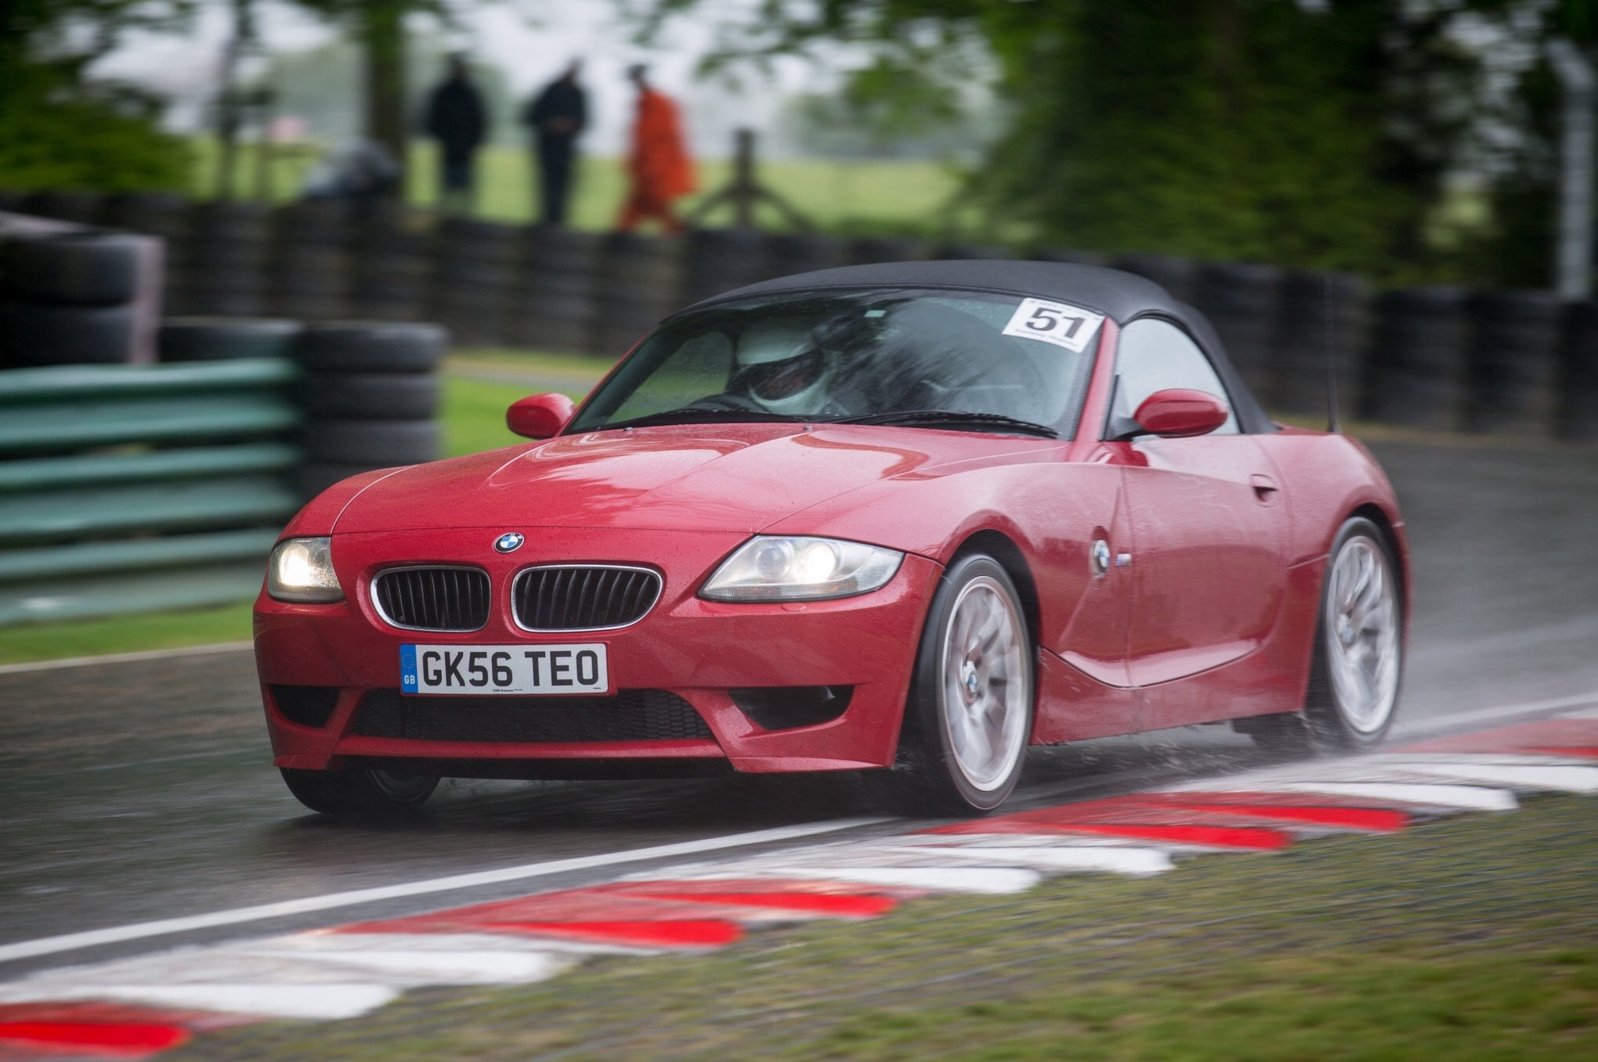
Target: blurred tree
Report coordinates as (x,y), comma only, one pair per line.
(1320,133)
(60,130)
(1516,249)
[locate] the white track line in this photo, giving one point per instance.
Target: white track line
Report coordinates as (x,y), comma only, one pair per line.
(115,934)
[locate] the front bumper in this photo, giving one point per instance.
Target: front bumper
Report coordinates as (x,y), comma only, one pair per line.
(330,673)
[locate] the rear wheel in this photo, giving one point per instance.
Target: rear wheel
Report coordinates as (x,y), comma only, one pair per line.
(970,713)
(360,792)
(1359,642)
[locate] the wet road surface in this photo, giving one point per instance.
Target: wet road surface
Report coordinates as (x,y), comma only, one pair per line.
(142,790)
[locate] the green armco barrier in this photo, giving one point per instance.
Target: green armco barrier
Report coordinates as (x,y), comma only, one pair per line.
(132,488)
(75,382)
(53,472)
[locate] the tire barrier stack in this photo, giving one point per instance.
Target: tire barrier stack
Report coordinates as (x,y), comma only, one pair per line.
(226,263)
(864,250)
(1175,275)
(1436,358)
(370,395)
(131,488)
(1415,373)
(1322,325)
(1240,300)
(391,265)
(71,296)
(639,281)
(310,260)
(1576,412)
(555,294)
(474,261)
(800,252)
(1511,362)
(226,338)
(718,260)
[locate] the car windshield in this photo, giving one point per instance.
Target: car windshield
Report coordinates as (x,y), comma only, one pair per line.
(923,358)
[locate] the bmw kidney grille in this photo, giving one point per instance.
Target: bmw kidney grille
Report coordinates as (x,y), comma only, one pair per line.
(433,598)
(551,598)
(583,597)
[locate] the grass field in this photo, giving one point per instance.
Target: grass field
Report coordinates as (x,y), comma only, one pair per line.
(859,195)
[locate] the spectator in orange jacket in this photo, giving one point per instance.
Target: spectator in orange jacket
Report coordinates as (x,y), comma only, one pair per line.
(658,167)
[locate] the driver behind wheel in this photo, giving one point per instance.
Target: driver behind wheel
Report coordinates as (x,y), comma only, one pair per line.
(781,371)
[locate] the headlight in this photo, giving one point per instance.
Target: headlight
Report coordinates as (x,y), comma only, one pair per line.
(301,569)
(783,568)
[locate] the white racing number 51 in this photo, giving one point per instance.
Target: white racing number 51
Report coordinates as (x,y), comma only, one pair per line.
(1059,323)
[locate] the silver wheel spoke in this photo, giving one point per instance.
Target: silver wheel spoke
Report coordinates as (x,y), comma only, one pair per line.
(1362,635)
(986,700)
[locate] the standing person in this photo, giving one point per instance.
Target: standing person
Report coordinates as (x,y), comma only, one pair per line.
(457,118)
(659,168)
(555,118)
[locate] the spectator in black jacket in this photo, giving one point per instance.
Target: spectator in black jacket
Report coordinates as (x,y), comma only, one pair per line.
(555,118)
(457,118)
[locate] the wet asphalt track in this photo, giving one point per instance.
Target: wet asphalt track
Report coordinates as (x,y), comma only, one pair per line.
(143,790)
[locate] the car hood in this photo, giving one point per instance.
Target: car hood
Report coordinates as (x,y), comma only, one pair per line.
(735,477)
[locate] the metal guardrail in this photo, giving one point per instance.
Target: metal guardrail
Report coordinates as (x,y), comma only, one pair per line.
(139,487)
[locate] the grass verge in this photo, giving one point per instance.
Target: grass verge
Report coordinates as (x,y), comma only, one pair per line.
(1470,938)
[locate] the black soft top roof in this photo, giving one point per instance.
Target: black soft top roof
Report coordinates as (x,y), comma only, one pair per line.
(1119,295)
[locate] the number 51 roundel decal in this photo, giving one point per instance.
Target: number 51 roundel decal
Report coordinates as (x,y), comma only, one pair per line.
(1054,322)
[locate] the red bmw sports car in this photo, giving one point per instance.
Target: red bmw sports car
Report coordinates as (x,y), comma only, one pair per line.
(913,517)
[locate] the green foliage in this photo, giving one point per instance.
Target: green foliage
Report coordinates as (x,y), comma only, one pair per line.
(55,135)
(57,129)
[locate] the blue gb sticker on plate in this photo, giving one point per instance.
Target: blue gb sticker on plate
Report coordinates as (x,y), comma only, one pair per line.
(408,682)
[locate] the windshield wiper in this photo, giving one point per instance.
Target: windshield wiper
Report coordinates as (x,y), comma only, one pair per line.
(703,415)
(952,418)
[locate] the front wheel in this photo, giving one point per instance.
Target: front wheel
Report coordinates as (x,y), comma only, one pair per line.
(360,792)
(1359,642)
(970,714)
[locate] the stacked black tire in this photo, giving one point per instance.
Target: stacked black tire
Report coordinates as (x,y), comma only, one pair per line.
(1416,367)
(1576,412)
(639,280)
(370,395)
(718,260)
(391,267)
(1240,300)
(552,302)
(311,260)
(68,297)
(185,339)
(475,261)
(1322,332)
(1511,362)
(226,261)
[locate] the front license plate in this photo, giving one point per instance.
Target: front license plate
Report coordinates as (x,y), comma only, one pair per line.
(489,669)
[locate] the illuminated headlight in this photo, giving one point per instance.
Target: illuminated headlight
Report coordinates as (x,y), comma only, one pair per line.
(782,568)
(301,569)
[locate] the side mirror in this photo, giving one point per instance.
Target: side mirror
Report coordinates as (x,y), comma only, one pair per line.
(539,416)
(1179,412)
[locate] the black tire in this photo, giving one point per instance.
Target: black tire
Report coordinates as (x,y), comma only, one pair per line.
(37,333)
(84,268)
(1357,668)
(338,346)
(369,395)
(226,338)
(982,696)
(360,792)
(379,442)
